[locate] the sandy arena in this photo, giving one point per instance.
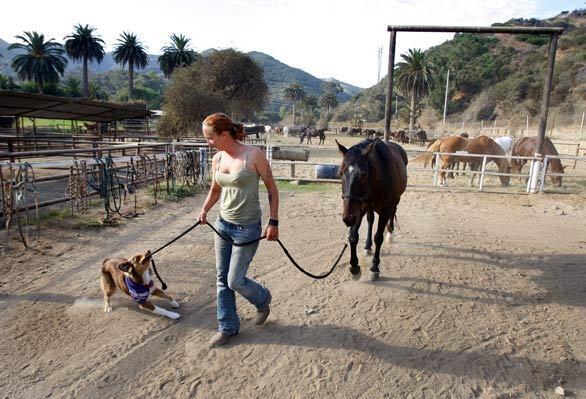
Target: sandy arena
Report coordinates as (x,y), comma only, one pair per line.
(482,295)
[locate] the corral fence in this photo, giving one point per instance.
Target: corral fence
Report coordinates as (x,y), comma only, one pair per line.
(109,174)
(578,174)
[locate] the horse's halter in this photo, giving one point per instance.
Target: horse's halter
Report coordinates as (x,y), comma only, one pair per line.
(348,195)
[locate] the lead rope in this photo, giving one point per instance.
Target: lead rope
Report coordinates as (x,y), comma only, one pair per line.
(243,244)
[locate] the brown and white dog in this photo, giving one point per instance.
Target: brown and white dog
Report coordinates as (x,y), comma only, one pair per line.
(135,278)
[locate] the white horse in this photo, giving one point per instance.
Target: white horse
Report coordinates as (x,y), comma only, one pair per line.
(505,142)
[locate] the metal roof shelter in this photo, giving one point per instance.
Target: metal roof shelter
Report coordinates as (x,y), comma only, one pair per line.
(553,33)
(54,107)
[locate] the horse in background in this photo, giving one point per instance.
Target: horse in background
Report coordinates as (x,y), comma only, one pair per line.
(486,145)
(505,142)
(450,144)
(527,146)
(374,176)
(308,133)
(321,133)
(92,127)
(422,137)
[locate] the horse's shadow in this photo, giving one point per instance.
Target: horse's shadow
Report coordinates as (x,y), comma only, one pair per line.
(562,276)
(328,336)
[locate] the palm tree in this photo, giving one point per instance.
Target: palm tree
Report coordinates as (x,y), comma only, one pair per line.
(415,78)
(176,55)
(130,50)
(7,83)
(328,100)
(72,87)
(97,92)
(83,46)
(41,62)
(294,93)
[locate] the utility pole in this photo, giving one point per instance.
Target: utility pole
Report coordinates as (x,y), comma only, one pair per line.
(446,96)
(380,56)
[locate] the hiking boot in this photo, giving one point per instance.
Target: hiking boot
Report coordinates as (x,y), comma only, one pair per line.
(220,339)
(263,314)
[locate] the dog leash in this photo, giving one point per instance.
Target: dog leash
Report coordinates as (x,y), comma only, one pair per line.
(243,244)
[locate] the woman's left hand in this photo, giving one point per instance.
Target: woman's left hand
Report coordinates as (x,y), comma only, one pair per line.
(272,233)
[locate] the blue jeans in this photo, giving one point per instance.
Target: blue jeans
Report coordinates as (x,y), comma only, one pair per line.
(232,264)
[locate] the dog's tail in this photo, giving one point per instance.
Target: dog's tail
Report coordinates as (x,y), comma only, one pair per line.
(107,281)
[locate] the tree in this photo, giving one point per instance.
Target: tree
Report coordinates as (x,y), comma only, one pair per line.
(82,45)
(309,106)
(332,87)
(176,55)
(96,92)
(415,78)
(238,79)
(72,87)
(294,93)
(130,50)
(328,100)
(42,61)
(224,81)
(7,83)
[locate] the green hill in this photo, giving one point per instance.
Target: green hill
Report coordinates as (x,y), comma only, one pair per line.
(112,78)
(279,76)
(497,76)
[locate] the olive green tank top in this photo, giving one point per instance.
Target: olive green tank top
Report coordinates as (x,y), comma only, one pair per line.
(239,203)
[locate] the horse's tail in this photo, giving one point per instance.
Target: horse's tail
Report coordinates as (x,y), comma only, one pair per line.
(428,155)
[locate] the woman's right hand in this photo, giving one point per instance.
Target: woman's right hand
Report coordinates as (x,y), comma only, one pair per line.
(203,216)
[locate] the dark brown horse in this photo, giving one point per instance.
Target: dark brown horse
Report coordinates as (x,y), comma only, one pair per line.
(422,137)
(374,175)
(526,147)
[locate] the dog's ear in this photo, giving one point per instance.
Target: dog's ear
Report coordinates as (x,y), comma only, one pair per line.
(125,267)
(136,259)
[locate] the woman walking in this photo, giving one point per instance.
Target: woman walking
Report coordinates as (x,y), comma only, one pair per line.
(236,170)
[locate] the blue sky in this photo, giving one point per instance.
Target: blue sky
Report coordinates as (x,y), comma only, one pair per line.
(337,39)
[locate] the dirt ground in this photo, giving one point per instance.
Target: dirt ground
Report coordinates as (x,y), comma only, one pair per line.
(481,295)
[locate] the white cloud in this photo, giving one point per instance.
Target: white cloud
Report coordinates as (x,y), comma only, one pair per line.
(326,38)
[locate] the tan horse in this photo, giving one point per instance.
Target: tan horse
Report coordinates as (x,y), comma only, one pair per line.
(486,145)
(479,145)
(449,144)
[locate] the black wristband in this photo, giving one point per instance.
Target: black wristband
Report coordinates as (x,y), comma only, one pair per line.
(273,222)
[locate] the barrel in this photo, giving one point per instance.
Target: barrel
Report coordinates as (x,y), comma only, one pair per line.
(290,154)
(326,171)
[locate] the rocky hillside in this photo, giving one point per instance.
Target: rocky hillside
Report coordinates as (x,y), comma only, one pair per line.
(496,76)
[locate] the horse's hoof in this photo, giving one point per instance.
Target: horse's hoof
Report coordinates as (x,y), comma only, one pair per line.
(355,273)
(368,252)
(374,276)
(389,238)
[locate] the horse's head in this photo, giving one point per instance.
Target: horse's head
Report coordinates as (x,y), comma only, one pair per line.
(505,167)
(556,167)
(356,176)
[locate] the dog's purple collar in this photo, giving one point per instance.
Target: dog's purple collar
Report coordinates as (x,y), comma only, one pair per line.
(140,293)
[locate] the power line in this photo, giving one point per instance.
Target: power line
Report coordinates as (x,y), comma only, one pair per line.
(380,56)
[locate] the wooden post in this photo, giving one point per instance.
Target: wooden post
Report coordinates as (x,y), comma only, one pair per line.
(389,88)
(481,126)
(581,127)
(527,127)
(552,126)
(35,134)
(494,127)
